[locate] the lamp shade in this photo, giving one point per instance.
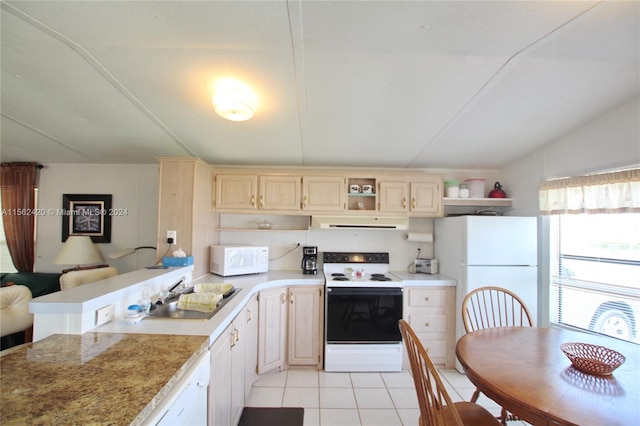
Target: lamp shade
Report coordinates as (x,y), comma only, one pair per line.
(78,250)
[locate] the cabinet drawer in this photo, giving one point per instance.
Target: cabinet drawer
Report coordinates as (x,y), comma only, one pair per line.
(428,323)
(426,297)
(437,349)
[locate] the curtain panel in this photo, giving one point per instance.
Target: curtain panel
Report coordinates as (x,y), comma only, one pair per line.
(616,192)
(17,183)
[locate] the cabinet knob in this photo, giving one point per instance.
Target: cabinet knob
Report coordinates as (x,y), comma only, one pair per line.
(428,299)
(253,200)
(283,298)
(428,324)
(304,203)
(261,200)
(413,203)
(404,202)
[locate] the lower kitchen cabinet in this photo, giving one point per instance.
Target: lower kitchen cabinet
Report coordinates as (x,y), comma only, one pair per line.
(430,311)
(290,327)
(251,345)
(305,325)
(230,354)
(272,329)
(220,383)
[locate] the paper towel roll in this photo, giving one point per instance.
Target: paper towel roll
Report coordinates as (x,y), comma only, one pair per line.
(421,237)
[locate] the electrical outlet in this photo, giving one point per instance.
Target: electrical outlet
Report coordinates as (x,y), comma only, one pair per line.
(104,315)
(174,235)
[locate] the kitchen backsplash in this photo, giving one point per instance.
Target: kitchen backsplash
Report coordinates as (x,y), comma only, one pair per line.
(287,231)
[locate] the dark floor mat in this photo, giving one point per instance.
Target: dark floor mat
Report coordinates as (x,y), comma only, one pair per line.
(271,416)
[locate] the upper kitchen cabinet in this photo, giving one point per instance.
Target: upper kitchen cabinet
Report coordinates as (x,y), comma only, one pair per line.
(242,192)
(417,196)
(236,192)
(323,193)
(279,193)
(310,191)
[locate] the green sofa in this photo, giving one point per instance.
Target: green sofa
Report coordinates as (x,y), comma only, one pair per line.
(40,283)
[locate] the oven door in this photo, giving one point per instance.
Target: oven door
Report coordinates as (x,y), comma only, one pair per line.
(363,315)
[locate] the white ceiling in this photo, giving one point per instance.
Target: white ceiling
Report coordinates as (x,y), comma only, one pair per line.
(429,84)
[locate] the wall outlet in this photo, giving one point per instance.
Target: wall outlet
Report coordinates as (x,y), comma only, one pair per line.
(174,235)
(106,314)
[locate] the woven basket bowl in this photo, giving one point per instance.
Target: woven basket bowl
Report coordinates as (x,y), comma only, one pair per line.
(592,359)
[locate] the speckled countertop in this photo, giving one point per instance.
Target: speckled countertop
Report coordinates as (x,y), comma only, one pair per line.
(94,378)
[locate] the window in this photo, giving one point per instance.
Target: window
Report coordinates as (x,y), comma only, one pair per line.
(595,273)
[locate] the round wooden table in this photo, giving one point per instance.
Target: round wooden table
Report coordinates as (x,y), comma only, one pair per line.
(524,370)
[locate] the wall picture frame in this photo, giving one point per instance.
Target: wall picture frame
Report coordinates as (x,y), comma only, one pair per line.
(87,214)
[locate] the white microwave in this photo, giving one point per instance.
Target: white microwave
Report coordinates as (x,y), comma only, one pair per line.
(228,260)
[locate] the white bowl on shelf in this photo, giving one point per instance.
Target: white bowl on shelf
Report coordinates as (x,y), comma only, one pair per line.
(265,225)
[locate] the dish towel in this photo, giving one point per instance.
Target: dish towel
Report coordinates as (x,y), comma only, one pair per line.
(202,302)
(212,288)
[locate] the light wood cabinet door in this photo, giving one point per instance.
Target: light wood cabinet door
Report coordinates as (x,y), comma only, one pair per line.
(238,345)
(280,193)
(305,325)
(236,192)
(272,329)
(219,412)
(426,197)
(251,345)
(324,193)
(393,197)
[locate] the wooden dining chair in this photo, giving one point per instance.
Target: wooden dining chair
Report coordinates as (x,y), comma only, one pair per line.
(489,307)
(436,406)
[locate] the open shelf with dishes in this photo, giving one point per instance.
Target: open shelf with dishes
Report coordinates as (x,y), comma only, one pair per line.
(457,206)
(361,194)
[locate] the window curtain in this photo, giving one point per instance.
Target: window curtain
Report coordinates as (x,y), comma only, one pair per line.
(616,192)
(17,182)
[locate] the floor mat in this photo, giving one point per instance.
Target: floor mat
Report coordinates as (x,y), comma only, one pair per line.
(270,416)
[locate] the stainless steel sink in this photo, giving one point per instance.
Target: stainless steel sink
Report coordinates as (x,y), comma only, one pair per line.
(170,309)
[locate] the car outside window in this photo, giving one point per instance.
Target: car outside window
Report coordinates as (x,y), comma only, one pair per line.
(595,273)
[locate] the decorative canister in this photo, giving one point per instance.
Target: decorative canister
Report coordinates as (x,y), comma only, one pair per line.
(451,188)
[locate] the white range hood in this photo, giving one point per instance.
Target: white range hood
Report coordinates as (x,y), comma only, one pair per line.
(359,222)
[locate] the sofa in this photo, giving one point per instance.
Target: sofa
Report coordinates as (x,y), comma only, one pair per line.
(40,283)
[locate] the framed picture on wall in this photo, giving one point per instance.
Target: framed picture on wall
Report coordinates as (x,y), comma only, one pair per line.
(87,214)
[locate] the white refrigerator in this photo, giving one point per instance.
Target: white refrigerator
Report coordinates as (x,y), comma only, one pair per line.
(483,251)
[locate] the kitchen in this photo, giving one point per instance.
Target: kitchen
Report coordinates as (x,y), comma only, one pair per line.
(135,186)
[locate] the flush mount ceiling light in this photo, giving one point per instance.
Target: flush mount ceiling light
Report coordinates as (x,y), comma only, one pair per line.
(233,103)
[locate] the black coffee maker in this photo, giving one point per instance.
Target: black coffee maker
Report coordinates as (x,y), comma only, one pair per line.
(309,260)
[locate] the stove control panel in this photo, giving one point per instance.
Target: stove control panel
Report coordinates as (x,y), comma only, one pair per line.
(350,257)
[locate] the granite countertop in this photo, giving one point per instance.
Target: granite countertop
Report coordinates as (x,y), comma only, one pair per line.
(93,378)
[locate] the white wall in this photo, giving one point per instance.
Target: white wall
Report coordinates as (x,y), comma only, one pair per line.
(134,187)
(608,142)
(280,242)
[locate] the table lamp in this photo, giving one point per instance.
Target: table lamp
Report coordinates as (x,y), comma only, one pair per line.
(79,250)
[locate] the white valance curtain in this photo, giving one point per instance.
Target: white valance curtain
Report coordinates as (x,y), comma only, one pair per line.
(616,192)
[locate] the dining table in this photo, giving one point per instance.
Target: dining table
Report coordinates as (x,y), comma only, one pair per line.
(524,370)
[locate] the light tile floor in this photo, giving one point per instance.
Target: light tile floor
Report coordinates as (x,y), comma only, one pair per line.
(350,399)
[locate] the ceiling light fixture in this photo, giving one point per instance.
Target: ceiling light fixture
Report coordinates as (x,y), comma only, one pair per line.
(233,102)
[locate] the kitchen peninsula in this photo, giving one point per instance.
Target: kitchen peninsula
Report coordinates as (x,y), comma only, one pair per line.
(123,373)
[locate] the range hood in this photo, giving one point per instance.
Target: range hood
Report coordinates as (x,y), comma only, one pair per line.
(359,222)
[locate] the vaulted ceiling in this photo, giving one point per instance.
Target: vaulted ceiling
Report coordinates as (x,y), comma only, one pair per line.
(429,84)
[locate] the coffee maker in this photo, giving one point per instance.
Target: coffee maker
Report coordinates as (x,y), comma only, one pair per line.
(309,260)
